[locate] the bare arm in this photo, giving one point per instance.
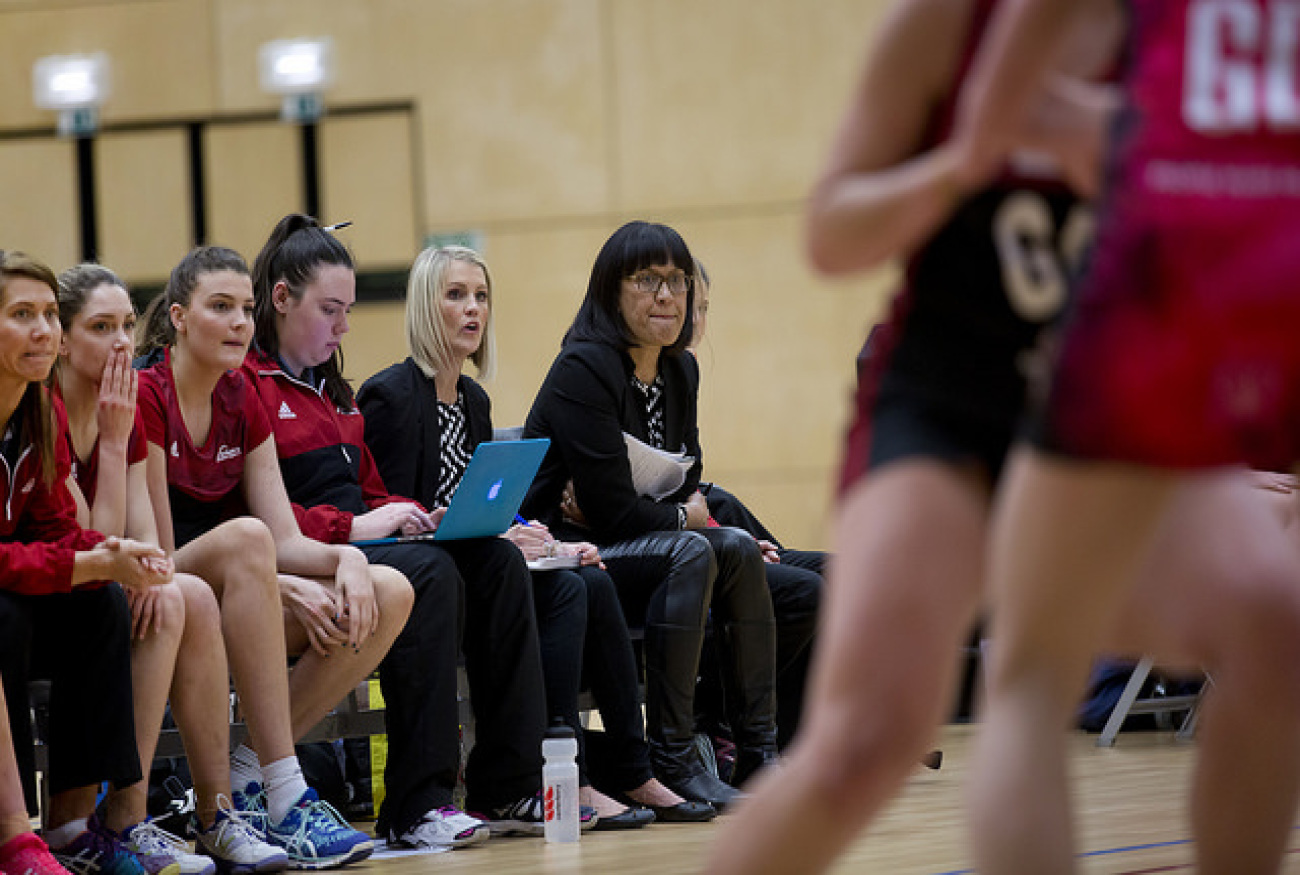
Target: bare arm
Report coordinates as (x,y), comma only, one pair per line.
(1024,41)
(297,554)
(267,499)
(160,503)
(140,522)
(79,498)
(108,513)
(877,198)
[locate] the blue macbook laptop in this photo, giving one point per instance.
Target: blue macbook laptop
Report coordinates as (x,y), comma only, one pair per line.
(493,487)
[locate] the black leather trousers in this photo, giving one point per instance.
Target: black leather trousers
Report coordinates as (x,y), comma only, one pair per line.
(670,582)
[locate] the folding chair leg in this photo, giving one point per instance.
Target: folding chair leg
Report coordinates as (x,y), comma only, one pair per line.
(1126,700)
(1188,729)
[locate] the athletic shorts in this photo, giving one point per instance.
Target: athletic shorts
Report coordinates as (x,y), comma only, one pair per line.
(896,426)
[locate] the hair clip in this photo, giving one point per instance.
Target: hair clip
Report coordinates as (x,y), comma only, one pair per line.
(336,226)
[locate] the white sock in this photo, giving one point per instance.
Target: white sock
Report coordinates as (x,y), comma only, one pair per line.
(244,768)
(284,786)
(63,836)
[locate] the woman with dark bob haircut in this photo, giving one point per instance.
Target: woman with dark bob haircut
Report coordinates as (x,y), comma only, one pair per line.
(622,384)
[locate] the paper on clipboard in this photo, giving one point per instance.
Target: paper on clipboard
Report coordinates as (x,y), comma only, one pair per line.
(550,563)
(656,473)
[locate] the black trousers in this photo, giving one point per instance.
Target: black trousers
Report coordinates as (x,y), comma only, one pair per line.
(673,582)
(795,584)
(476,596)
(796,587)
(81,642)
(584,637)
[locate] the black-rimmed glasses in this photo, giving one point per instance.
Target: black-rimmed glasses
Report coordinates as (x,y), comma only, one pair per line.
(647,282)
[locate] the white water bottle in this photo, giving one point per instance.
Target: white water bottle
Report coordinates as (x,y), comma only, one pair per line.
(560,783)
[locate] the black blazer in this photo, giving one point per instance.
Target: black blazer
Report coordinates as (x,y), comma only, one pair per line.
(585,404)
(400,407)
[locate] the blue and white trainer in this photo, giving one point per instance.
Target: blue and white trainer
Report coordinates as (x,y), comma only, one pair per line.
(315,836)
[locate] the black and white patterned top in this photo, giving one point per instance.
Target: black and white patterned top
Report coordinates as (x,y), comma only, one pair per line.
(454,453)
(653,398)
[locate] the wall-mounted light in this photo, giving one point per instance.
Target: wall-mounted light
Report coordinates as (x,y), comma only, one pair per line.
(75,86)
(298,70)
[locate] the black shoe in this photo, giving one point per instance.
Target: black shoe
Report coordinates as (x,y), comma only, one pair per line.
(632,817)
(528,817)
(686,811)
(685,771)
(704,787)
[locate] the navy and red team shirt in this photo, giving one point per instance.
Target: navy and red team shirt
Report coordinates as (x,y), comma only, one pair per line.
(203,482)
(39,534)
(327,468)
(86,471)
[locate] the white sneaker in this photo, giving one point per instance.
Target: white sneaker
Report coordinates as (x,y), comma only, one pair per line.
(236,846)
(445,827)
(147,839)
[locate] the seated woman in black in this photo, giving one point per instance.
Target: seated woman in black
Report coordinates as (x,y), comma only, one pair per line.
(622,371)
(424,418)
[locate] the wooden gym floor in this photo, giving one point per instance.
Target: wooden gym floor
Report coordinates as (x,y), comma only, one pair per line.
(1129,801)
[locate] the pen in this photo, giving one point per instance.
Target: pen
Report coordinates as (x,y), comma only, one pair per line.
(520,520)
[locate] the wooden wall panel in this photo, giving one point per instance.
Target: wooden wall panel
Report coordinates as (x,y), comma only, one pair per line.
(143,196)
(780,345)
(253,179)
(367,178)
(39,181)
(512,111)
(240,27)
(538,282)
(728,101)
(160,52)
(510,92)
(375,341)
